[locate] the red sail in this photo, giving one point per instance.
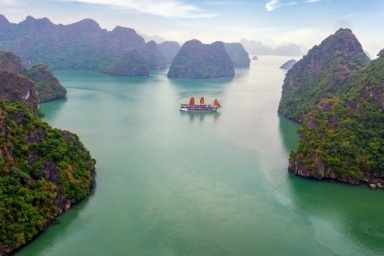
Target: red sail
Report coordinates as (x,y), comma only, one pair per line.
(192,101)
(216,103)
(202,101)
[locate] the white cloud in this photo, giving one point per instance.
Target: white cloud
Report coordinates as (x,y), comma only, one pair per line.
(313,1)
(271,5)
(164,8)
(274,4)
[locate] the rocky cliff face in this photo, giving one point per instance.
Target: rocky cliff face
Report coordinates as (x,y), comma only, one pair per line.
(11,62)
(43,172)
(321,72)
(197,60)
(342,136)
(169,50)
(18,88)
(47,86)
(238,55)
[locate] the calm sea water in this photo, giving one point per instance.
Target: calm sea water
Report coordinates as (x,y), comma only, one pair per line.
(172,183)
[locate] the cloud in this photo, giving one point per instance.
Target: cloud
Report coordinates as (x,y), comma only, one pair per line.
(271,5)
(274,4)
(164,8)
(313,1)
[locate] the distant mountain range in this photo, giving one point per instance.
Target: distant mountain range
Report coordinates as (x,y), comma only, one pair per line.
(258,48)
(85,45)
(81,45)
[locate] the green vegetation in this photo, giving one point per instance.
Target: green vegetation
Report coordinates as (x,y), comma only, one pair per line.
(79,46)
(131,63)
(342,136)
(11,62)
(48,87)
(321,73)
(197,60)
(43,171)
(45,88)
(18,88)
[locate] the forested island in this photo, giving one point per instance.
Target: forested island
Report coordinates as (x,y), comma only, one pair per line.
(198,60)
(44,171)
(336,92)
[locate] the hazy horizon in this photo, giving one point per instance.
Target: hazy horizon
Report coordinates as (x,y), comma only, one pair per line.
(273,22)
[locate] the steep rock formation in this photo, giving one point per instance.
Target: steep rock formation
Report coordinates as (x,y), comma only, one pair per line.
(169,50)
(48,87)
(18,88)
(321,72)
(43,172)
(342,136)
(238,55)
(11,62)
(197,60)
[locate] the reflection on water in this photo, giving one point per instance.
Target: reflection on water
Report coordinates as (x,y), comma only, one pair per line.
(289,133)
(200,116)
(342,209)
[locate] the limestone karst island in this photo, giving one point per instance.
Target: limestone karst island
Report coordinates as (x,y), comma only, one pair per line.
(186,127)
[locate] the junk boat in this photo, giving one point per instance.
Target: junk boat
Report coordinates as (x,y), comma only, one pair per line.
(201,106)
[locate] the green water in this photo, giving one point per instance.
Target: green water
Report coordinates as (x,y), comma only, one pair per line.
(172,183)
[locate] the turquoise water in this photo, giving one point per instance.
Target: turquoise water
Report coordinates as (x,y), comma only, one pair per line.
(173,183)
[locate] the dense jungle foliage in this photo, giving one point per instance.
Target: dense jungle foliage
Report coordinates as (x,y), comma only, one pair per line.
(43,171)
(342,138)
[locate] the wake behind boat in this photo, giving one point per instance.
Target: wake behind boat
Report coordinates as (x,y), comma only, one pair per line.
(201,106)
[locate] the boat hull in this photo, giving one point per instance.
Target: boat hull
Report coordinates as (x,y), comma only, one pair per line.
(198,108)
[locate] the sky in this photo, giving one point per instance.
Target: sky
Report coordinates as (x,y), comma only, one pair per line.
(273,22)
